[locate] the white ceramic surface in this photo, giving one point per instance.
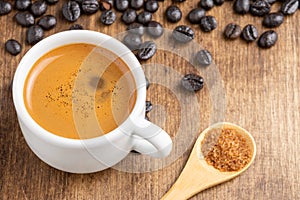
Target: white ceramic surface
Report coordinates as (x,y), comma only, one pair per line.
(95,154)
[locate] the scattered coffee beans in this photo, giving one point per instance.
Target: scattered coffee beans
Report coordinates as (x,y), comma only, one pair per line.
(108,17)
(34,34)
(129,16)
(249,33)
(203,58)
(24,19)
(173,14)
(76,27)
(273,20)
(132,41)
(89,6)
(206,4)
(13,47)
(71,11)
(38,8)
(208,23)
(183,34)
(148,106)
(151,6)
(5,7)
(267,39)
(260,8)
(192,82)
(155,29)
(147,50)
(121,5)
(289,7)
(144,17)
(22,4)
(136,28)
(136,4)
(241,6)
(195,15)
(47,22)
(232,31)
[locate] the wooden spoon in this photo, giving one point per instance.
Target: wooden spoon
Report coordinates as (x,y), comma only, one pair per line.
(197,175)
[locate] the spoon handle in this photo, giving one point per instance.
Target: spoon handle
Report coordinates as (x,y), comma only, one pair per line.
(193,179)
(181,190)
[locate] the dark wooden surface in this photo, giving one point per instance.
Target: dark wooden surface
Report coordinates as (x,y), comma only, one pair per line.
(262,94)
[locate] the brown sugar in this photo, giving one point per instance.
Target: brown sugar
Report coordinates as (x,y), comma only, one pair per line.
(226,150)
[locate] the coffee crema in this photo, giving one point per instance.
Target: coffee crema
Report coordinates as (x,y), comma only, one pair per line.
(79,91)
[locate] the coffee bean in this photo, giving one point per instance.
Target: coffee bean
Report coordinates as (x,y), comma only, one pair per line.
(38,8)
(260,8)
(208,23)
(47,22)
(241,6)
(90,6)
(195,15)
(76,27)
(136,28)
(151,6)
(267,39)
(22,4)
(147,50)
(106,5)
(121,5)
(136,4)
(289,7)
(34,34)
(249,33)
(71,11)
(218,2)
(232,31)
(147,83)
(129,16)
(173,14)
(183,34)
(155,29)
(149,106)
(203,57)
(51,2)
(144,17)
(13,47)
(273,20)
(24,19)
(132,41)
(5,7)
(192,82)
(108,17)
(206,4)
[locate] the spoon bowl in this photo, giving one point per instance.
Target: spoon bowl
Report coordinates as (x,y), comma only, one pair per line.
(198,175)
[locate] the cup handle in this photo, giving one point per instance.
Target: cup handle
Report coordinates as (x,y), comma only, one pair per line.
(151,139)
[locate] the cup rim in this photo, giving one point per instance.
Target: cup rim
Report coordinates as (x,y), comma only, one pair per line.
(86,36)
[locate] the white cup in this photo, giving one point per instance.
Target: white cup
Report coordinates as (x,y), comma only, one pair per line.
(95,154)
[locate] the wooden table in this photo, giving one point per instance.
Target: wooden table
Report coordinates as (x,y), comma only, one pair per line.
(262,90)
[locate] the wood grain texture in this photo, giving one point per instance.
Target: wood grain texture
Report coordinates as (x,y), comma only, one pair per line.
(262,95)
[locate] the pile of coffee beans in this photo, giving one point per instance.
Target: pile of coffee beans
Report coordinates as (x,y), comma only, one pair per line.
(138,16)
(27,15)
